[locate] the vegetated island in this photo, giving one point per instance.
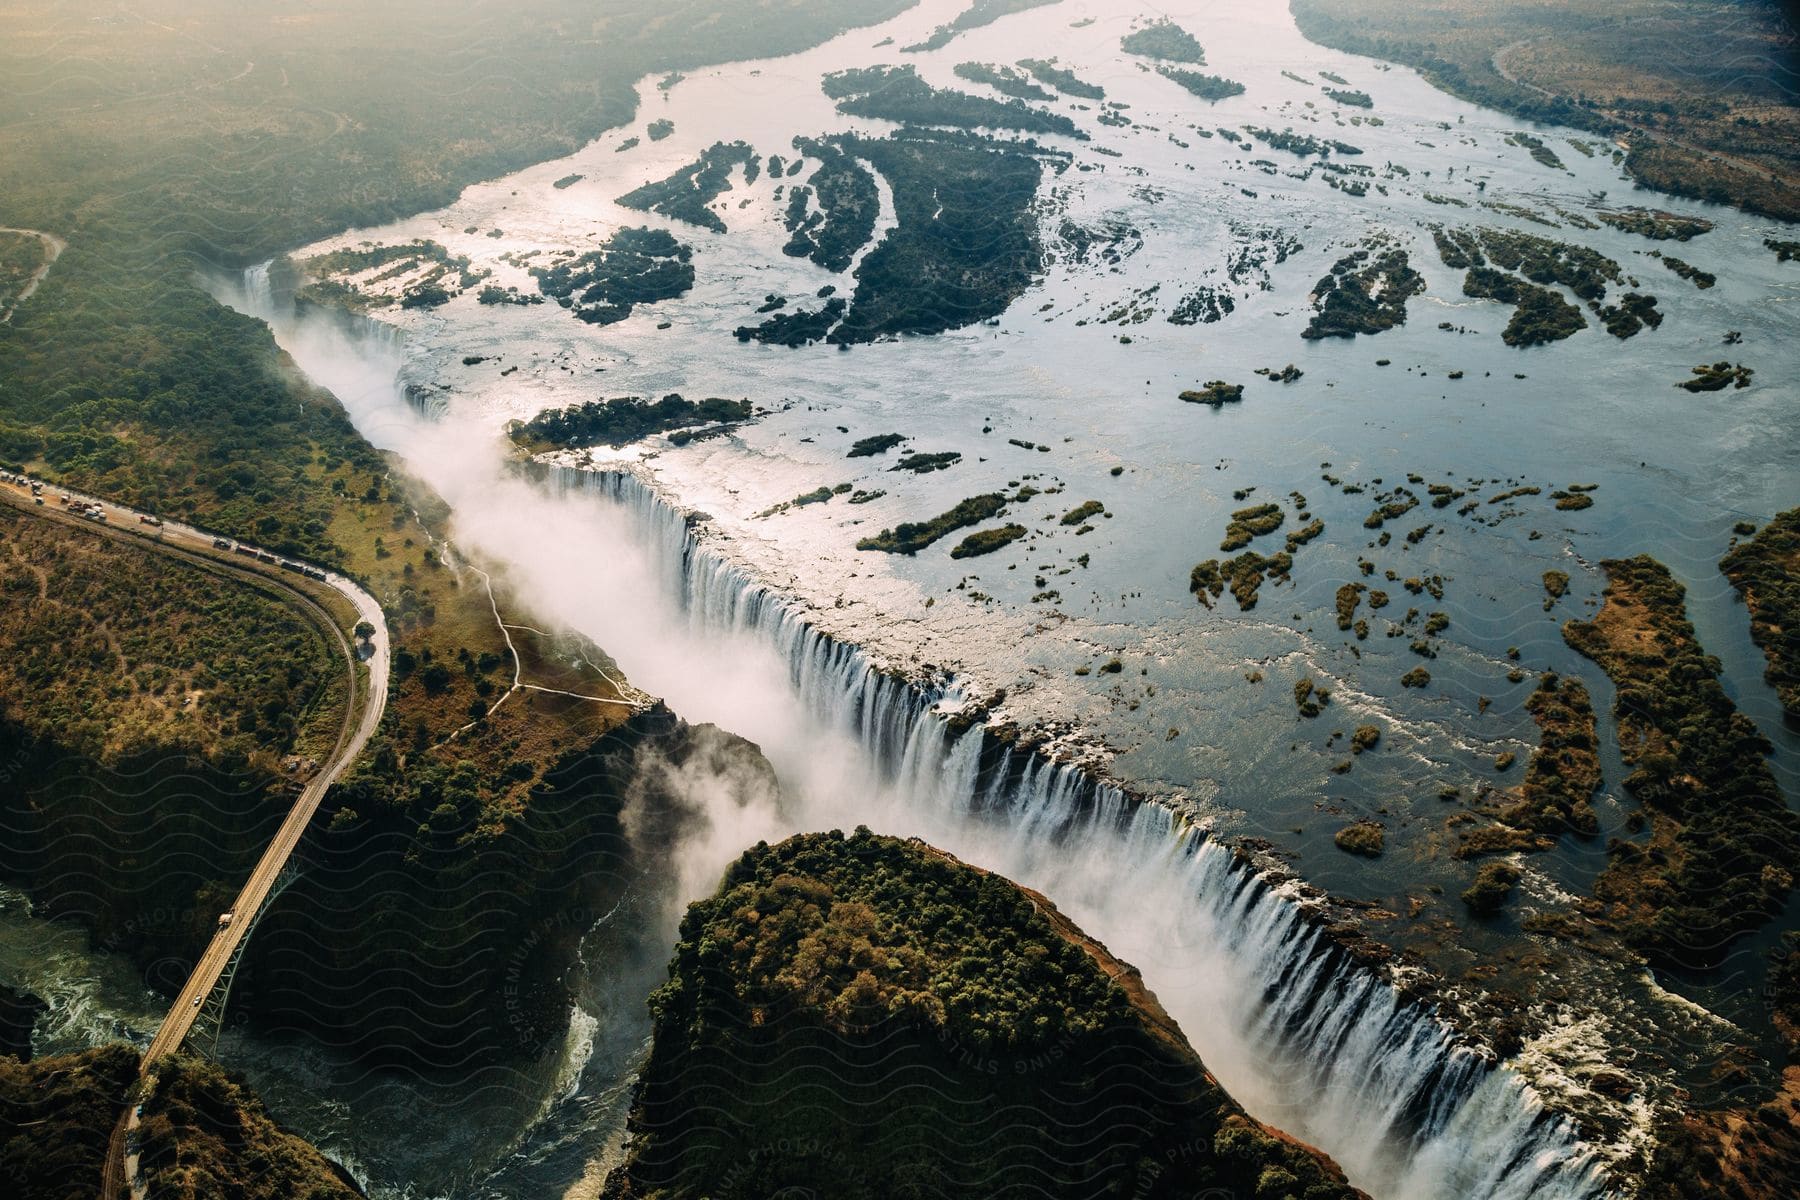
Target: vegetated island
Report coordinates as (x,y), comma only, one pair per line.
(898,94)
(1694,275)
(1560,781)
(636,265)
(1062,79)
(687,194)
(1166,40)
(879,443)
(1723,842)
(979,13)
(986,541)
(621,421)
(1216,393)
(1656,224)
(833,215)
(868,1017)
(1198,83)
(1541,314)
(1245,573)
(1364,292)
(965,242)
(1765,570)
(425,274)
(910,537)
(1716,377)
(1303,144)
(1008,81)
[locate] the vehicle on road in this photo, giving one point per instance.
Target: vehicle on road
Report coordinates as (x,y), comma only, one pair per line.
(225,920)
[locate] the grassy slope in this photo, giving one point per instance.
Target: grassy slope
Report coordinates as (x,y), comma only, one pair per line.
(869,1017)
(1702,91)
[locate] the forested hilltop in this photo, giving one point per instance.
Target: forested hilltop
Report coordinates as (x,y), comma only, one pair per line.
(863,1016)
(1701,93)
(203,1135)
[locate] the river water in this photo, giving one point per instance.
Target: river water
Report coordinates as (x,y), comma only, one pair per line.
(1181,721)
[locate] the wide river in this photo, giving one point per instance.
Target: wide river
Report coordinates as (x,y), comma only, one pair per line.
(1086,364)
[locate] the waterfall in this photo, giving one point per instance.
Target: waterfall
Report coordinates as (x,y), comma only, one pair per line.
(257,288)
(1308,1037)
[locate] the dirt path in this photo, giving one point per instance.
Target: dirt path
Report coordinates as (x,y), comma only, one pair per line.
(1500,68)
(53,248)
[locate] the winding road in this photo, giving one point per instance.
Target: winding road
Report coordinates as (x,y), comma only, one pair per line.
(198,548)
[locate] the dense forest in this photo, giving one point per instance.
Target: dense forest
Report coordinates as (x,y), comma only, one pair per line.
(123,376)
(56,1115)
(867,1017)
(204,1136)
(145,702)
(965,244)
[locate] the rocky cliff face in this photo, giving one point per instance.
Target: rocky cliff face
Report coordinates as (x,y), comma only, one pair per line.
(144,849)
(19,1012)
(440,902)
(432,928)
(864,1016)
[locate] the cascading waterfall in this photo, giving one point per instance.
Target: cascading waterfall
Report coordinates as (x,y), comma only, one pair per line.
(1300,1032)
(258,289)
(1306,1036)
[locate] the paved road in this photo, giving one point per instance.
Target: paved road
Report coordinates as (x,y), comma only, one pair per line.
(197,548)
